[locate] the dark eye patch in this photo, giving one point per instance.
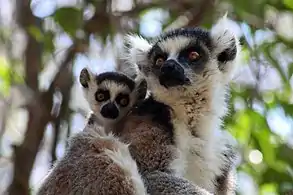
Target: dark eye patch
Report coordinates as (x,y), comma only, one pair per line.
(183,56)
(161,55)
(122,99)
(156,52)
(105,94)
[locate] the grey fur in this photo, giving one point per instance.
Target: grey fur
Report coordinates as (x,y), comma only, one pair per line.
(87,169)
(161,183)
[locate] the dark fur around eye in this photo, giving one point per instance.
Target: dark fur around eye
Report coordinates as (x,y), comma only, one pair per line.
(124,97)
(103,92)
(183,56)
(162,55)
(156,53)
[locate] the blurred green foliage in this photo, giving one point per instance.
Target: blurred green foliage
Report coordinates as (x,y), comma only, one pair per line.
(274,174)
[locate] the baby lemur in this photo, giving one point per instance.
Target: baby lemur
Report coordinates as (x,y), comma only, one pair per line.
(96,162)
(114,96)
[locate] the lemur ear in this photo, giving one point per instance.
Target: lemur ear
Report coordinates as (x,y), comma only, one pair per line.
(141,88)
(226,44)
(136,51)
(84,78)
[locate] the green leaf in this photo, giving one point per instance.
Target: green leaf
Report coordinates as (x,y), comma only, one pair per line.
(241,127)
(269,188)
(4,76)
(288,108)
(245,55)
(262,136)
(288,3)
(274,176)
(69,18)
(285,153)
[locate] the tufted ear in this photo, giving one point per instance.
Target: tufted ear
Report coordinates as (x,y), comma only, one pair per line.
(136,52)
(226,45)
(85,77)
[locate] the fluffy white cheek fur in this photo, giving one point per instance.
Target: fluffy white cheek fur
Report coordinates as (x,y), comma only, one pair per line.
(89,94)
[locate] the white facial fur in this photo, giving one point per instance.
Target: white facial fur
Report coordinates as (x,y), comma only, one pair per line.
(199,107)
(114,88)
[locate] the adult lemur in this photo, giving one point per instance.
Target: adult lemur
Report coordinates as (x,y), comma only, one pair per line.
(188,70)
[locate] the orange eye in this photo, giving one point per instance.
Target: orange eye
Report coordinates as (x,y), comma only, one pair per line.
(159,62)
(100,97)
(124,102)
(193,55)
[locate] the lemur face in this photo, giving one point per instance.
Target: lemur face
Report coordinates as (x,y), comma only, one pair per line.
(187,58)
(177,56)
(110,94)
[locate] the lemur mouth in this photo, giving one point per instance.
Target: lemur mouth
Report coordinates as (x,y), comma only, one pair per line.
(168,82)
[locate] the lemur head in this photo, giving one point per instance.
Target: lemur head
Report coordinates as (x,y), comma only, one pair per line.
(111,95)
(186,61)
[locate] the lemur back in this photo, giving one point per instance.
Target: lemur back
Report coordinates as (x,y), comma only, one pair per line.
(95,163)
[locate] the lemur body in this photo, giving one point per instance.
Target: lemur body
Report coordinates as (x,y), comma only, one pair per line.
(98,149)
(189,70)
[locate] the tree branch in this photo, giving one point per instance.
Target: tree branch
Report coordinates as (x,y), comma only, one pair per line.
(63,115)
(198,12)
(194,16)
(39,115)
(39,110)
(33,52)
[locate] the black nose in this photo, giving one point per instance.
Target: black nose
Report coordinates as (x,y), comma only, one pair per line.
(110,111)
(172,74)
(173,69)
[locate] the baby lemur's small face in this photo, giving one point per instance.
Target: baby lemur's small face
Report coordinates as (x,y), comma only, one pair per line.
(111,94)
